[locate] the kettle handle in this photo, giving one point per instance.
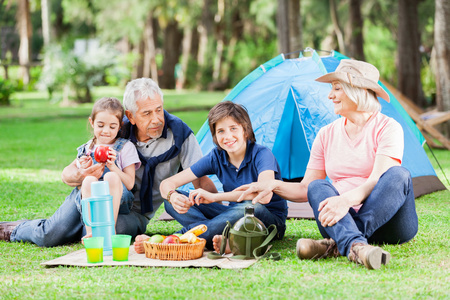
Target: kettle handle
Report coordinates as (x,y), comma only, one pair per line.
(84,211)
(225,236)
(268,239)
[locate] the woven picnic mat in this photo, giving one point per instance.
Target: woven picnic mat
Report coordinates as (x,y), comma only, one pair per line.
(295,211)
(78,259)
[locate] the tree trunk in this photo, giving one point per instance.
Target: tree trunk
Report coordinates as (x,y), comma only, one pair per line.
(409,82)
(138,69)
(295,26)
(283,26)
(220,38)
(172,45)
(441,55)
(185,56)
(45,15)
(354,34)
(337,28)
(150,68)
(237,28)
(24,28)
(205,30)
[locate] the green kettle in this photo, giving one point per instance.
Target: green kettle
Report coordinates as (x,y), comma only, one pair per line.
(249,237)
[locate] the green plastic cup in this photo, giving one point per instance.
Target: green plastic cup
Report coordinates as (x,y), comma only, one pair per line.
(94,249)
(120,246)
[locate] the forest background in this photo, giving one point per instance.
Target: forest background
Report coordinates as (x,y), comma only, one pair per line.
(74,45)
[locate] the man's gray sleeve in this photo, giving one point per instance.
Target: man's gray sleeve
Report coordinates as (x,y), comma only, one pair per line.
(190,152)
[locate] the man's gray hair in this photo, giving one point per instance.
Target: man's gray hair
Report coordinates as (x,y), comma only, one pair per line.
(138,89)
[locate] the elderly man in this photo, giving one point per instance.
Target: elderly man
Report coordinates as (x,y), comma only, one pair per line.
(164,144)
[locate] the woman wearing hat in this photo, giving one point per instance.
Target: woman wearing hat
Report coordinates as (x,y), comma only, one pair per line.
(370,199)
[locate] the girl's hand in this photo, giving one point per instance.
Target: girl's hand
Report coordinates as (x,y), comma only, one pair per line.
(200,196)
(112,156)
(332,210)
(180,203)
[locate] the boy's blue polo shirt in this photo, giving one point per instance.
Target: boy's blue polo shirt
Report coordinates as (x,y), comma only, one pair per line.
(257,159)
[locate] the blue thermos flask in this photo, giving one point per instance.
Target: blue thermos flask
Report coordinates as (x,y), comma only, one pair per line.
(100,217)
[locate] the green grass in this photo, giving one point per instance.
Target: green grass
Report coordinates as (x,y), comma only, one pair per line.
(38,139)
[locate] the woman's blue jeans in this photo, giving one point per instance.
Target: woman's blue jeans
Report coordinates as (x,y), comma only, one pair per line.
(388,215)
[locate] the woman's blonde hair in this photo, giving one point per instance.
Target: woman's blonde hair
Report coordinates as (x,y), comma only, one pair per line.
(365,99)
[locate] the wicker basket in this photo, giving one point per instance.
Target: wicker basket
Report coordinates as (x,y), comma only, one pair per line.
(174,251)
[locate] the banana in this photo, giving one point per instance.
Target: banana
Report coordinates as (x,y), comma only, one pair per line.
(197,230)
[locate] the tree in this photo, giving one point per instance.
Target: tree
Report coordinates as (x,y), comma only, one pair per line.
(337,27)
(295,26)
(171,52)
(45,13)
(289,26)
(205,30)
(354,34)
(441,53)
(24,28)
(408,54)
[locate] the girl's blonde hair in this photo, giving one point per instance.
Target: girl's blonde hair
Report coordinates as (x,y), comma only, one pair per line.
(366,100)
(238,112)
(111,105)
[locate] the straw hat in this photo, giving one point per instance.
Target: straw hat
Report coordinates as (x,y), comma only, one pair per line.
(357,74)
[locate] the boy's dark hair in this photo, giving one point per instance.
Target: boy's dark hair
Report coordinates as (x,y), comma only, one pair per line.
(238,112)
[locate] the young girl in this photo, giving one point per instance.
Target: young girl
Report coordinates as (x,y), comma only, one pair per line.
(123,160)
(237,160)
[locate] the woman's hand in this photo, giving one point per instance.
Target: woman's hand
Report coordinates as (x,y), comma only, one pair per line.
(258,192)
(332,210)
(201,196)
(180,202)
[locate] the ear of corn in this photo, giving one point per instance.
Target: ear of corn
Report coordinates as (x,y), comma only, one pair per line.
(196,231)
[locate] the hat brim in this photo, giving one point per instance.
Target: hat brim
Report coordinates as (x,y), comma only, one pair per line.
(359,82)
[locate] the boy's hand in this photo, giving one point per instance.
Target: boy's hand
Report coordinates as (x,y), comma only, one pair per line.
(200,196)
(180,203)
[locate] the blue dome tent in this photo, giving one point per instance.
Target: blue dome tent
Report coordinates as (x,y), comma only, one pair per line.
(288,107)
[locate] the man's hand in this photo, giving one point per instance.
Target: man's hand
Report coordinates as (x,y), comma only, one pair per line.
(74,174)
(94,170)
(180,203)
(85,161)
(139,243)
(332,210)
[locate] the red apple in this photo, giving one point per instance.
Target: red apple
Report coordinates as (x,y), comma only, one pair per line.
(101,154)
(171,239)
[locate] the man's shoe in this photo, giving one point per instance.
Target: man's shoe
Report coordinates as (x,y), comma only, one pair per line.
(6,229)
(312,249)
(370,256)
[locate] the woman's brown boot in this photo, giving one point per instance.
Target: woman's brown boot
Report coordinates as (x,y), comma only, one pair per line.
(313,249)
(369,256)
